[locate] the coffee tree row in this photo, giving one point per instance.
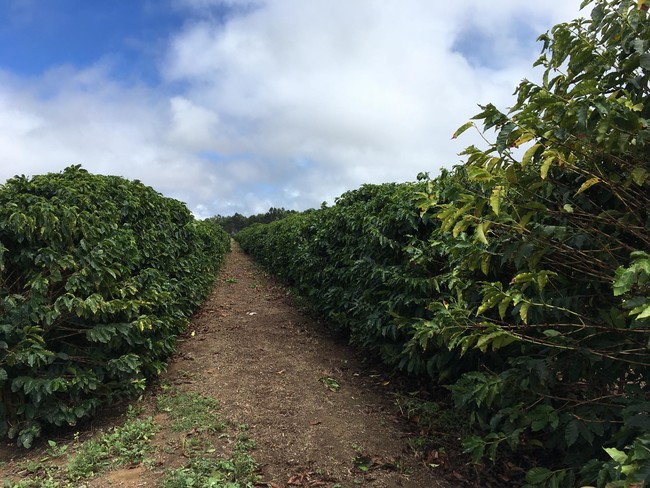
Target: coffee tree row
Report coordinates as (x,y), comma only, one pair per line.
(521,279)
(97,277)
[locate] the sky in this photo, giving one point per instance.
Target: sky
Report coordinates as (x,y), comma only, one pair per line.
(242,105)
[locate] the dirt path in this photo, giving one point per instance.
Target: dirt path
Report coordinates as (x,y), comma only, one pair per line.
(266,363)
(264,360)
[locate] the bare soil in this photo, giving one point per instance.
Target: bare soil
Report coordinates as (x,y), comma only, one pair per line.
(265,360)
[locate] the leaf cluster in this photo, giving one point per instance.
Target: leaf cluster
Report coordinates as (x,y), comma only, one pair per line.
(521,279)
(98,275)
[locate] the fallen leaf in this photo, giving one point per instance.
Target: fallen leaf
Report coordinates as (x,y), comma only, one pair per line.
(458,476)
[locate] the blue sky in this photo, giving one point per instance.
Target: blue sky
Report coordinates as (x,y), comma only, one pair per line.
(132,34)
(240,105)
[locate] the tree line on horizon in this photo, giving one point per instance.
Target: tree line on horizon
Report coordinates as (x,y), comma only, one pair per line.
(232,224)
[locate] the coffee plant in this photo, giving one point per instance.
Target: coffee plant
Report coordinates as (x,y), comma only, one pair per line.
(521,279)
(98,275)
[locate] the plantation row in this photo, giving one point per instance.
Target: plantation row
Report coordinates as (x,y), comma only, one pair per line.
(521,279)
(98,275)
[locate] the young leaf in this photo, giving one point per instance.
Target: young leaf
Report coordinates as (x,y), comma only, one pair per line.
(485,262)
(528,155)
(462,129)
(588,184)
(479,233)
(546,165)
(495,199)
(523,312)
(617,455)
(639,175)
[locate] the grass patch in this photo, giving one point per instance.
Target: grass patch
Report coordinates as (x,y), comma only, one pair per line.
(205,435)
(198,416)
(237,471)
(213,473)
(123,445)
(191,411)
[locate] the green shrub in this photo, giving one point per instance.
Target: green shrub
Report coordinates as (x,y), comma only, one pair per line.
(97,276)
(521,279)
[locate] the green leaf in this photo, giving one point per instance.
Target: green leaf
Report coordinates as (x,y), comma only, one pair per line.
(495,198)
(503,306)
(571,433)
(479,233)
(552,333)
(639,175)
(645,313)
(476,173)
(538,424)
(538,476)
(523,311)
(485,340)
(588,184)
(524,138)
(462,129)
(485,262)
(644,61)
(528,155)
(546,165)
(618,456)
(624,279)
(504,136)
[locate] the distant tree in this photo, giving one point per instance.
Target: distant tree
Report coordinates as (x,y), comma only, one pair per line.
(234,223)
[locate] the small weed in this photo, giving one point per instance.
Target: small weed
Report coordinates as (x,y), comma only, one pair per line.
(202,471)
(238,471)
(33,467)
(120,446)
(361,461)
(209,473)
(244,442)
(54,450)
(195,444)
(230,280)
(194,414)
(331,383)
(48,482)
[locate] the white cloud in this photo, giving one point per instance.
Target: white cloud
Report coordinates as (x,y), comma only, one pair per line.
(370,90)
(192,125)
(282,102)
(83,117)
